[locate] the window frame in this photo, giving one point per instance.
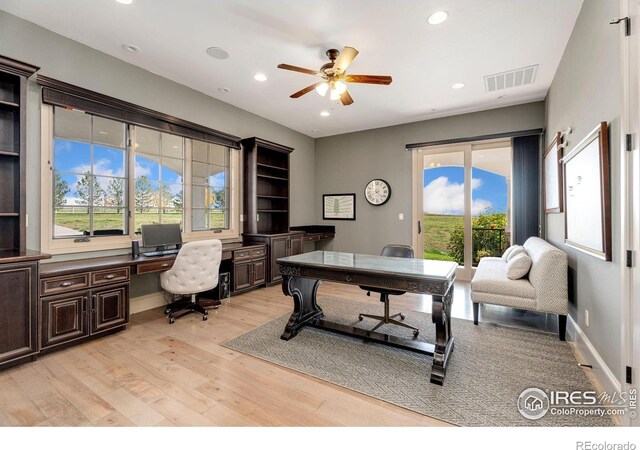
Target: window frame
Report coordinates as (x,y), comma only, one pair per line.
(84,244)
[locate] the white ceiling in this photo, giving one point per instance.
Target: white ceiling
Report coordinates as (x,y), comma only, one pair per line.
(393,37)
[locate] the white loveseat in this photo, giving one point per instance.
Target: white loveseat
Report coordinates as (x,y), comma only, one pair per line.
(544,289)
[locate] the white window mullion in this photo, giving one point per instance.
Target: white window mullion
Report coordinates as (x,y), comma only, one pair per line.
(186,187)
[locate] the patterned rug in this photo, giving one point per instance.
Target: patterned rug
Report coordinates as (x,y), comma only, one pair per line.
(489,367)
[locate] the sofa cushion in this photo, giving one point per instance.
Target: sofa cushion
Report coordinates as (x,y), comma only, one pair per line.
(491,278)
(518,266)
(515,252)
(507,252)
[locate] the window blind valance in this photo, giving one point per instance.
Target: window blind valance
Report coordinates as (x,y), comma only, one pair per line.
(65,95)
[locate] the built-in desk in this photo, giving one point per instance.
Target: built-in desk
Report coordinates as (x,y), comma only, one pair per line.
(88,297)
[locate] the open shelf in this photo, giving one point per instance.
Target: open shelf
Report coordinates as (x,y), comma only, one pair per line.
(8,153)
(273,178)
(273,211)
(11,214)
(269,166)
(6,104)
(277,197)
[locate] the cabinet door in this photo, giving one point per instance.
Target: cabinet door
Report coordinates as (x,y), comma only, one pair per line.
(18,310)
(64,318)
(279,249)
(259,272)
(295,246)
(241,275)
(110,307)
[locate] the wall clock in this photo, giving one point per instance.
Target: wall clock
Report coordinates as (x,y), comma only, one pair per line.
(377,192)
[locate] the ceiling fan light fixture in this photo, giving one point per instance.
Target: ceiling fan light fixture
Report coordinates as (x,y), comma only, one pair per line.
(340,87)
(322,89)
(437,17)
(335,95)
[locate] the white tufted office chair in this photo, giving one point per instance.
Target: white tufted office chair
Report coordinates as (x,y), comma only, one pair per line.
(195,270)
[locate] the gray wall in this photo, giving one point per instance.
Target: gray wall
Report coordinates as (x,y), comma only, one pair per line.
(347,162)
(74,63)
(585,91)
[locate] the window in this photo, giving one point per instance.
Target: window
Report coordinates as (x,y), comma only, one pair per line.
(106,178)
(89,176)
(159,172)
(209,186)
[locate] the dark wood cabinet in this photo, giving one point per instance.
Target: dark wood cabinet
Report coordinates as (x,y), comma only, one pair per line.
(18,312)
(18,266)
(84,304)
(249,266)
(64,318)
(110,308)
(278,246)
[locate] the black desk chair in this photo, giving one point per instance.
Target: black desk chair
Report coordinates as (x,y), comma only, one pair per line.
(398,251)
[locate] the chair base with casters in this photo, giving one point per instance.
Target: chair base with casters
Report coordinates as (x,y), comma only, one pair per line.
(395,251)
(189,305)
(387,319)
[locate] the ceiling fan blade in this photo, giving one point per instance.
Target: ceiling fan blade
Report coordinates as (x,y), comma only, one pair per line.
(347,55)
(297,69)
(369,79)
(346,99)
(306,90)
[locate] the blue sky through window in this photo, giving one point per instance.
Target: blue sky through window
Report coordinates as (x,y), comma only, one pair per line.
(444,191)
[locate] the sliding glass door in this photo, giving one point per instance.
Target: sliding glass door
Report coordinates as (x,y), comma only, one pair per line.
(463,206)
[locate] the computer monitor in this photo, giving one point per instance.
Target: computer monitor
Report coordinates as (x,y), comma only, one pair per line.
(161,235)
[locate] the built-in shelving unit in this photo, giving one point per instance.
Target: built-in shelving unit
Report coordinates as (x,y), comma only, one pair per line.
(266,174)
(13,79)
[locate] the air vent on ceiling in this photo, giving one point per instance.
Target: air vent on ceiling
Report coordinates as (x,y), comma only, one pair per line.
(511,78)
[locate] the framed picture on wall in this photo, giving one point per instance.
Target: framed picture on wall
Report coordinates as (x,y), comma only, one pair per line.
(339,206)
(587,195)
(552,175)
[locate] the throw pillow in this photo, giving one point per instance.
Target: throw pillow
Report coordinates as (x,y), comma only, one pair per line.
(518,266)
(507,252)
(515,252)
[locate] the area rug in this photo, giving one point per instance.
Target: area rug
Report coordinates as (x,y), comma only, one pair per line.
(489,368)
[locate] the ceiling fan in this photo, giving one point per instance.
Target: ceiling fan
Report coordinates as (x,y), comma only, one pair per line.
(334,76)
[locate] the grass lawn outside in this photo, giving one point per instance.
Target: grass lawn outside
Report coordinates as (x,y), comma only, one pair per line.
(79,221)
(436,230)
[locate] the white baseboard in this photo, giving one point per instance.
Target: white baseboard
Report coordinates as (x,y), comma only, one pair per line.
(600,371)
(146,302)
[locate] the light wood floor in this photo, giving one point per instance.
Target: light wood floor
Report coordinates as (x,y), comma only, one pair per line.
(156,374)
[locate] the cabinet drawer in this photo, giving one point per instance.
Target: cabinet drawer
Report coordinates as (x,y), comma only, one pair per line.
(310,238)
(67,283)
(159,266)
(109,276)
(241,254)
(258,252)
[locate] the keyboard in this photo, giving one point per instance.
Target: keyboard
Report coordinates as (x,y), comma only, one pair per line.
(161,253)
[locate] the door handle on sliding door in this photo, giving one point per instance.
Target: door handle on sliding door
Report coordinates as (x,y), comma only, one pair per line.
(419,226)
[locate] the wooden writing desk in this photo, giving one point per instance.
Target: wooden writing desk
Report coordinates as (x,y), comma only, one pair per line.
(302,275)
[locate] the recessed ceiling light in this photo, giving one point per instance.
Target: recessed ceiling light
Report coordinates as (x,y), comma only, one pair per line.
(125,2)
(260,77)
(131,48)
(437,17)
(224,90)
(325,113)
(315,130)
(217,53)
(457,85)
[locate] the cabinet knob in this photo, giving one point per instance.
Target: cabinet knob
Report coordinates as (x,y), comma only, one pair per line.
(165,265)
(109,277)
(66,284)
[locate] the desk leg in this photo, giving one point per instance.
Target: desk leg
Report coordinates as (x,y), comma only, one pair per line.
(441,315)
(305,308)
